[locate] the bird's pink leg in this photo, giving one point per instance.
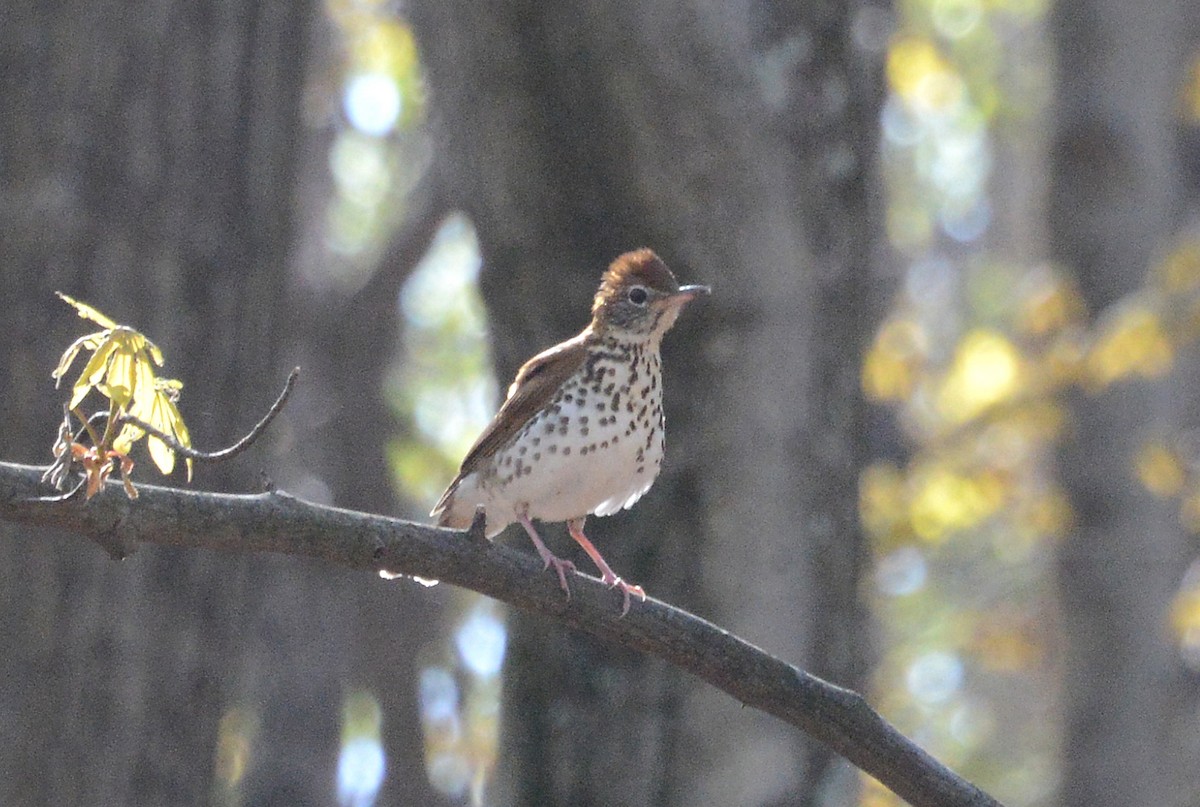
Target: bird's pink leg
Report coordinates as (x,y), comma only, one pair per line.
(549,558)
(608,577)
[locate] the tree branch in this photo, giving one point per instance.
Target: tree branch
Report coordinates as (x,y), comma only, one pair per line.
(277,522)
(224,453)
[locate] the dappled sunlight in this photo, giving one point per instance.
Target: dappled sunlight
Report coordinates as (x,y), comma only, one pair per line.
(985,371)
(935,677)
(895,361)
(373,103)
(1185,617)
(442,389)
(445,389)
(1160,469)
(361,762)
(972,361)
(236,735)
(944,502)
(1131,341)
(445,763)
(378,149)
(460,703)
(975,361)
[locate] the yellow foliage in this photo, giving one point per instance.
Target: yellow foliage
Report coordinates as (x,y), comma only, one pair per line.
(1132,342)
(1185,612)
(1062,363)
(1052,307)
(944,501)
(1159,469)
(883,503)
(874,794)
(1047,514)
(985,371)
(387,47)
(909,227)
(1191,93)
(1005,645)
(236,732)
(1189,512)
(121,368)
(919,73)
(891,366)
(1179,273)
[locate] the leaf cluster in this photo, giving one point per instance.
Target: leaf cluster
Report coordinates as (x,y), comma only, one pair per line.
(121,369)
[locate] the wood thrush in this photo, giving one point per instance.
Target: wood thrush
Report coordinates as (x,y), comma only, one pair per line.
(581,430)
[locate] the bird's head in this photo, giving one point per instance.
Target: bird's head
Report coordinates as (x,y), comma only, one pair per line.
(639,296)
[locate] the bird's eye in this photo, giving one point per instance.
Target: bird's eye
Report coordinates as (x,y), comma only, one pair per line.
(638,295)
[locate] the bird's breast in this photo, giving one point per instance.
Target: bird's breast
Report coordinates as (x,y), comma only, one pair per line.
(595,448)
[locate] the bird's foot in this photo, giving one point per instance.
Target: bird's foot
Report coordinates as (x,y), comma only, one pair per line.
(608,576)
(549,558)
(612,581)
(562,567)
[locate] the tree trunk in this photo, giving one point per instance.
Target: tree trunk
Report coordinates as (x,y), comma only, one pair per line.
(739,142)
(149,168)
(1116,202)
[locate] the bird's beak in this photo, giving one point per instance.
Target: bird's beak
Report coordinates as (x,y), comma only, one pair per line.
(688,293)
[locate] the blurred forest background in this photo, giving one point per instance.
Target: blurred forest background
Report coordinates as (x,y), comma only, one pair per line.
(932,438)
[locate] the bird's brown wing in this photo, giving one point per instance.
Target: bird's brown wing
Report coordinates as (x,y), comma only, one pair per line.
(532,389)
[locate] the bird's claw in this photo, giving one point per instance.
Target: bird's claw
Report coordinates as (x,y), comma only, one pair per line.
(562,567)
(612,581)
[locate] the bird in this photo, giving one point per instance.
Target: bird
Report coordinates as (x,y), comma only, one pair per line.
(581,431)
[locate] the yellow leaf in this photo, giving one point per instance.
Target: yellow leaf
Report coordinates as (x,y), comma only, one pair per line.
(93,371)
(883,503)
(128,435)
(985,371)
(160,418)
(162,455)
(163,415)
(1159,470)
(177,426)
(919,73)
(891,366)
(1185,611)
(1131,342)
(1053,306)
(68,357)
(120,382)
(152,348)
(1179,273)
(1189,512)
(87,312)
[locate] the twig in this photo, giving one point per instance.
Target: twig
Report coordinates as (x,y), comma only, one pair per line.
(62,497)
(64,459)
(224,453)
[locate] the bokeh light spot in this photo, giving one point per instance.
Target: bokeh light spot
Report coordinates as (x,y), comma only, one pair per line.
(372,103)
(935,677)
(481,640)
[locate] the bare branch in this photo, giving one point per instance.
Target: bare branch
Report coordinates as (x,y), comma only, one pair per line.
(276,522)
(224,453)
